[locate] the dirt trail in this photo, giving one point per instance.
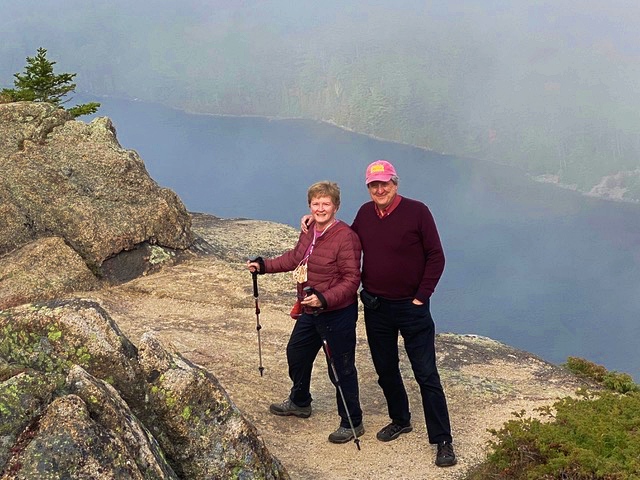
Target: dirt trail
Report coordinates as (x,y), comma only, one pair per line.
(205,308)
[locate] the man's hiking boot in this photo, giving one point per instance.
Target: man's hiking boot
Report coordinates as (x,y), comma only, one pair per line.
(445,457)
(287,408)
(344,434)
(392,431)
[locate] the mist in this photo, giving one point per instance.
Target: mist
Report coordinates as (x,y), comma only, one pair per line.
(543,269)
(547,89)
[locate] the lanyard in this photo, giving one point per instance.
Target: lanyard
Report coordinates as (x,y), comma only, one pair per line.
(313,243)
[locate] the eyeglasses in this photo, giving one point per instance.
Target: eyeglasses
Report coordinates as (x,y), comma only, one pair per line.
(380,185)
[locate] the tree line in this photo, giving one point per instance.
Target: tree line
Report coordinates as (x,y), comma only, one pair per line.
(553,106)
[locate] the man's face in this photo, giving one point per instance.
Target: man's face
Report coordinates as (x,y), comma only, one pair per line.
(382,193)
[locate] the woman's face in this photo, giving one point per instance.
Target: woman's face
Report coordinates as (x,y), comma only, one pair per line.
(323,211)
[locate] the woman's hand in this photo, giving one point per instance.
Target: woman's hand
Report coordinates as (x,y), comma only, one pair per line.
(253,266)
(311,301)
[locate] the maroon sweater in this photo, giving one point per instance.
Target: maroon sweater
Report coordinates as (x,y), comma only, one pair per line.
(403,256)
(333,266)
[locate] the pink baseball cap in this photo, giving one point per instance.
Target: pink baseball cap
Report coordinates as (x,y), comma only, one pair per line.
(379,171)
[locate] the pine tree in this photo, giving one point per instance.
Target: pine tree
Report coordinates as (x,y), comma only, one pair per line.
(39,83)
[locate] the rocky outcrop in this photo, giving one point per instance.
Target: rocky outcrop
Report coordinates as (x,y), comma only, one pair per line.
(196,422)
(79,400)
(42,269)
(622,186)
(71,180)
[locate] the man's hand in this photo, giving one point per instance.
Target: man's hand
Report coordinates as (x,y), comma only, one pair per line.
(305,222)
(417,302)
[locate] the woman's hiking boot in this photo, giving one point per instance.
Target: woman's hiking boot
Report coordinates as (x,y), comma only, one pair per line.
(344,434)
(287,408)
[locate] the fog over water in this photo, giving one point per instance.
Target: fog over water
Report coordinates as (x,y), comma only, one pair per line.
(546,86)
(541,268)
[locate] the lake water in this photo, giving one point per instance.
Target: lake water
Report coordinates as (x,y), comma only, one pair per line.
(540,268)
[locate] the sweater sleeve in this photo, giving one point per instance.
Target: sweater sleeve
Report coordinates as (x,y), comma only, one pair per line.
(434,256)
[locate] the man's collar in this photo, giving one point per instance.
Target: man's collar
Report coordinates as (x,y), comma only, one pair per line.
(387,211)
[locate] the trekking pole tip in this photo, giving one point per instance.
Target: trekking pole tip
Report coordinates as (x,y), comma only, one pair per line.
(357,442)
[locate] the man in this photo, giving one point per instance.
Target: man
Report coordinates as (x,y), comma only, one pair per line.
(402,264)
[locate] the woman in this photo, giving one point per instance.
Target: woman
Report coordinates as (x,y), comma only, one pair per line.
(326,266)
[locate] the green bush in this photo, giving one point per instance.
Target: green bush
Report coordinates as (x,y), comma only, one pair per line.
(594,436)
(586,369)
(615,381)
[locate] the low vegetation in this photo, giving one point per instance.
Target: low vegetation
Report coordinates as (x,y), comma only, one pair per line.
(594,436)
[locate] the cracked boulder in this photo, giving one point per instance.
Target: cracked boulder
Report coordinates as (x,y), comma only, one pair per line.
(78,400)
(68,179)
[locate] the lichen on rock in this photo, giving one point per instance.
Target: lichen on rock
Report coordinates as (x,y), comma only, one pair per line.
(79,400)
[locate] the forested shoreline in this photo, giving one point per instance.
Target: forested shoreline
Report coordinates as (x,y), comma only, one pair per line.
(506,85)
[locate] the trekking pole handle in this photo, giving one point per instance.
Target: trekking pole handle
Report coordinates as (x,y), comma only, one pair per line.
(309,290)
(254,276)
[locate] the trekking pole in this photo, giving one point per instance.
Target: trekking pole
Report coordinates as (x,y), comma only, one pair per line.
(332,365)
(327,352)
(254,274)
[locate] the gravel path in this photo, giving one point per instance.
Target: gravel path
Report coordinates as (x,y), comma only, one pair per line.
(205,307)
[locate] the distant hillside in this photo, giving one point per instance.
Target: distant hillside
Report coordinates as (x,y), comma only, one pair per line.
(541,87)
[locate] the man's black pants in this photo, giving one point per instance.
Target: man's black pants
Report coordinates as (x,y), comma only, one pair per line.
(416,326)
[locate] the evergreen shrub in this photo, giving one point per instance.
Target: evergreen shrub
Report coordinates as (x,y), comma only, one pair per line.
(593,436)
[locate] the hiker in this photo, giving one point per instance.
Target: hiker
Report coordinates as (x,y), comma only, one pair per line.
(402,264)
(326,261)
